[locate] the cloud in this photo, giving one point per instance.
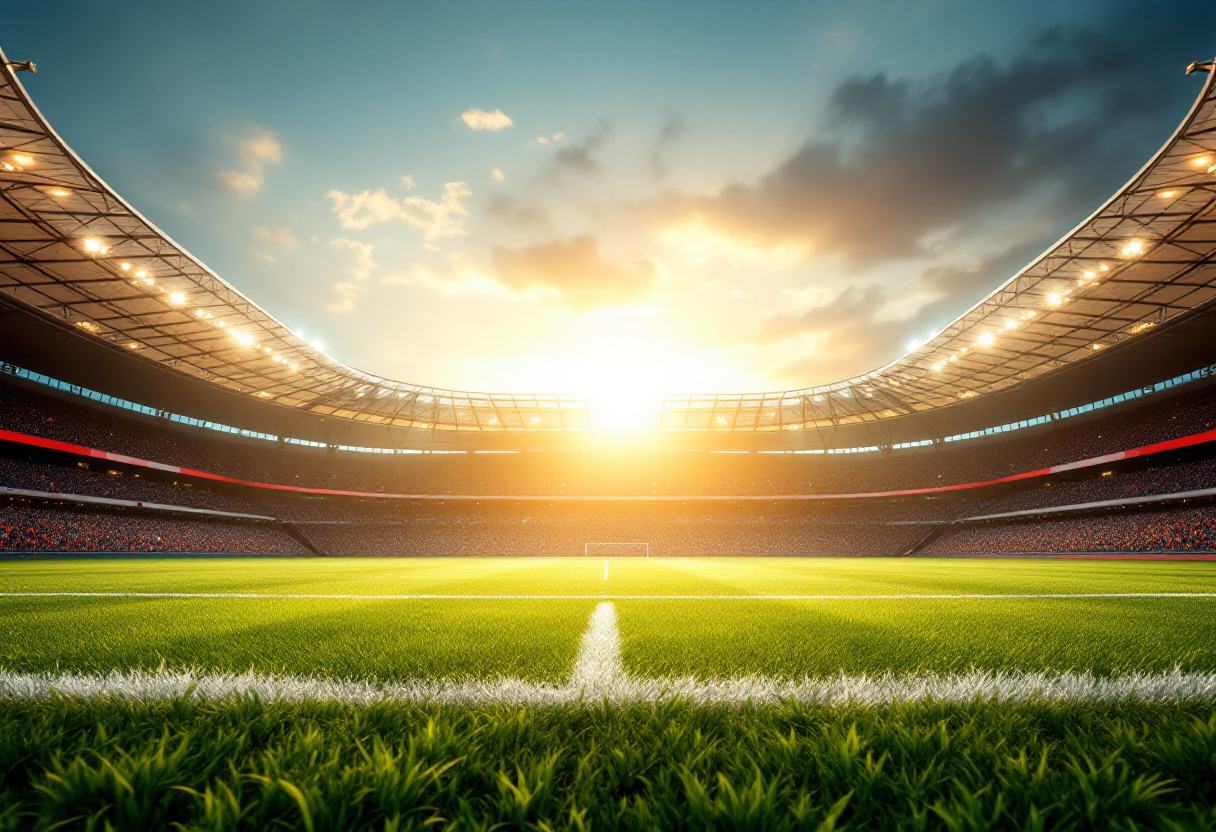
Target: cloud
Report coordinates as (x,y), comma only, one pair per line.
(496,175)
(672,131)
(256,149)
(360,268)
(575,270)
(481,120)
(844,328)
(433,219)
(281,236)
(903,165)
(407,182)
(580,158)
(515,211)
(850,331)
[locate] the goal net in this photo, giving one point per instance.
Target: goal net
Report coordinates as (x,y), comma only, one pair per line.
(616,550)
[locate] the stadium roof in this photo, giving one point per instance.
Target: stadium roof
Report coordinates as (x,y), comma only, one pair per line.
(74,250)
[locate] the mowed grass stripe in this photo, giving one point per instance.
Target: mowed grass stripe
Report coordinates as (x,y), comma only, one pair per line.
(323,596)
(585,577)
(794,638)
(387,640)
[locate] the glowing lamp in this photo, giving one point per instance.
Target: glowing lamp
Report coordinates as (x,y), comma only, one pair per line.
(986,340)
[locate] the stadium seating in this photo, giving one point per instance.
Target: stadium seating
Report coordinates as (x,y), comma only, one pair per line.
(393,527)
(1170,529)
(30,528)
(664,473)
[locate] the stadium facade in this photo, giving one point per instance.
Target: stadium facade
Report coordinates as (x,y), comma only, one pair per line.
(94,299)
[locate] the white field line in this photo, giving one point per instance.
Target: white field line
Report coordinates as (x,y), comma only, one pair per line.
(599,676)
(939,596)
(140,685)
(598,668)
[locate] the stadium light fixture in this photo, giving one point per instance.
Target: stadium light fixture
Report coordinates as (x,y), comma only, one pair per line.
(177,298)
(1167,194)
(16,162)
(986,340)
(58,192)
(1133,248)
(126,267)
(92,245)
(1054,299)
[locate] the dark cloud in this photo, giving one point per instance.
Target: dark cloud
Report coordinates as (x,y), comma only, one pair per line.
(579,158)
(845,330)
(516,211)
(853,336)
(672,131)
(576,269)
(902,162)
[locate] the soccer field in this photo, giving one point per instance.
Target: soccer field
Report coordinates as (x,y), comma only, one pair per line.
(528,619)
(634,694)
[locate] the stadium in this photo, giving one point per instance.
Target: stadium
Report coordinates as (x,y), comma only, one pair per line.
(246,584)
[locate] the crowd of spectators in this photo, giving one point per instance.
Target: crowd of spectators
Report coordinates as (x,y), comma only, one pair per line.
(1114,485)
(30,528)
(603,473)
(97,480)
(668,535)
(1182,528)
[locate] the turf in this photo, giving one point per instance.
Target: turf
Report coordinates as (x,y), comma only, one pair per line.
(538,639)
(253,765)
(388,640)
(791,639)
(575,576)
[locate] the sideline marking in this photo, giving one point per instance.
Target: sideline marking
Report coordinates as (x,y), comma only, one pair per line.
(437,597)
(599,676)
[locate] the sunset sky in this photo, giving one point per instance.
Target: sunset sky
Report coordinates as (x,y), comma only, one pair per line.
(562,197)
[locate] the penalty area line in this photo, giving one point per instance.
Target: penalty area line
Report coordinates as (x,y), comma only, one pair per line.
(306,596)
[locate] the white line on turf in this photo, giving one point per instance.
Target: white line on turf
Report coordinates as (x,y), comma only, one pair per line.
(598,667)
(599,676)
(486,597)
(142,685)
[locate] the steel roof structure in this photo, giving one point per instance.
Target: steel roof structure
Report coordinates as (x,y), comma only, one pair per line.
(73,249)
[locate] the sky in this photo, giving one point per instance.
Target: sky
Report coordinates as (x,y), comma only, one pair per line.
(603,197)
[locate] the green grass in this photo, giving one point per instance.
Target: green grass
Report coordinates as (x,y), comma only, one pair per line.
(109,764)
(250,765)
(817,638)
(399,639)
(573,576)
(387,640)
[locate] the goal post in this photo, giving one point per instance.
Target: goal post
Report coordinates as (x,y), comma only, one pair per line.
(616,550)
